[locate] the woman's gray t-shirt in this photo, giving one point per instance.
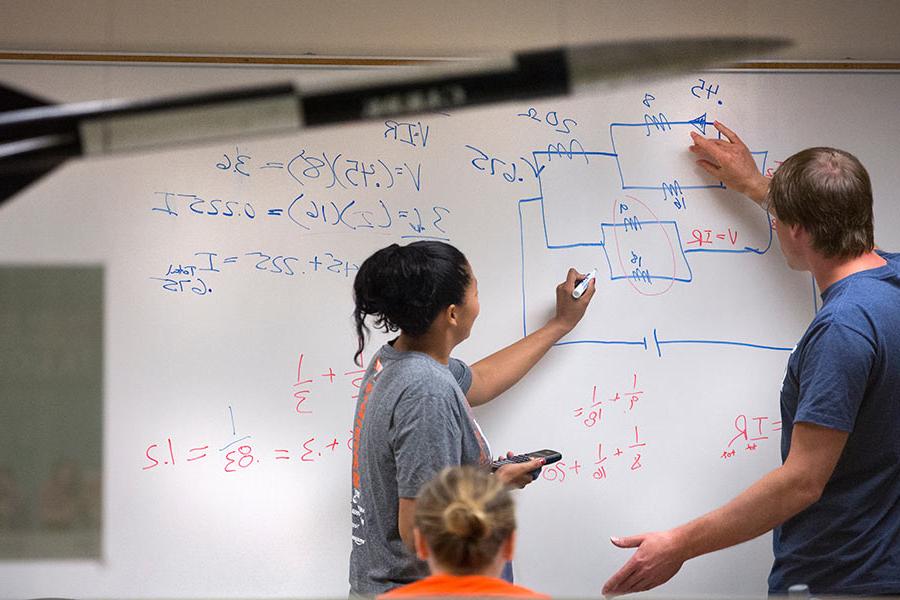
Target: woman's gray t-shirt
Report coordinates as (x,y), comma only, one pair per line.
(412,419)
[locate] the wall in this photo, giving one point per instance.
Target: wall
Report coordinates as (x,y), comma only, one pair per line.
(835,30)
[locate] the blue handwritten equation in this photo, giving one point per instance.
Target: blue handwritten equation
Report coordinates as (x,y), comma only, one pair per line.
(346,173)
(550,118)
(524,169)
(311,214)
(336,170)
(194,275)
(411,134)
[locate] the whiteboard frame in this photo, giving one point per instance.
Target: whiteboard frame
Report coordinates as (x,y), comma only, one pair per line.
(380,61)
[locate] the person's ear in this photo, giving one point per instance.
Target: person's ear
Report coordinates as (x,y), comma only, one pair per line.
(419,542)
(797,232)
(452,313)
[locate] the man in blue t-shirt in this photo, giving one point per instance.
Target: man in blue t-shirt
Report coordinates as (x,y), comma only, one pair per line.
(834,504)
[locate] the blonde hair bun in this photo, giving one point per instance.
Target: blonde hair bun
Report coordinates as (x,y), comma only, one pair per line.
(465,514)
(465,520)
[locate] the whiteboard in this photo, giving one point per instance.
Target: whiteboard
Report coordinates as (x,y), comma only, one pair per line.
(228,375)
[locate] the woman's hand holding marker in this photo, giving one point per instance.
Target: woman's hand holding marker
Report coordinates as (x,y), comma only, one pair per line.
(583,284)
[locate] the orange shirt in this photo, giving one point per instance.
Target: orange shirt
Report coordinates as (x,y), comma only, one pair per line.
(461,585)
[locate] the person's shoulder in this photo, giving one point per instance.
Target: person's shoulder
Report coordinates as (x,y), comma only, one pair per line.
(457,365)
(462,585)
(893,264)
(844,310)
(862,292)
(890,271)
(891,257)
(511,590)
(421,372)
(414,366)
(843,325)
(429,586)
(419,380)
(461,372)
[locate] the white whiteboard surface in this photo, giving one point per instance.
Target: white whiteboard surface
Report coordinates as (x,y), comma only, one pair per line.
(216,360)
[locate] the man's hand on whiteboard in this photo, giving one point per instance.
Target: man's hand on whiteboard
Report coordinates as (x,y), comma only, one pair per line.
(657,559)
(519,474)
(730,161)
(568,309)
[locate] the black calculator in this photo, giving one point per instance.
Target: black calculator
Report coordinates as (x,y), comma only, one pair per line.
(549,456)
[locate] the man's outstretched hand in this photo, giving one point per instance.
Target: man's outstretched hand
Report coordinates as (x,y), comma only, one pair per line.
(730,161)
(656,561)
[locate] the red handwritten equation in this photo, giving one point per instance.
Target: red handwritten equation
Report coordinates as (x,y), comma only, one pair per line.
(239,453)
(629,449)
(623,447)
(326,378)
(748,434)
(240,457)
(595,416)
(708,237)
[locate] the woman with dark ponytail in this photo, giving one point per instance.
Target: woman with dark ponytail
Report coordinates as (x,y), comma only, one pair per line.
(413,415)
(465,527)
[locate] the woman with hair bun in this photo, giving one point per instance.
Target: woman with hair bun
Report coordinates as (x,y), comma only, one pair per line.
(413,414)
(465,527)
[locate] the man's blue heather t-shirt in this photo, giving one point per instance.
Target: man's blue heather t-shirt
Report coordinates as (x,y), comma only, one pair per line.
(845,375)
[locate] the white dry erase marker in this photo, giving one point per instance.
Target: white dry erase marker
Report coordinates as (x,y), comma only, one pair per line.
(582,285)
